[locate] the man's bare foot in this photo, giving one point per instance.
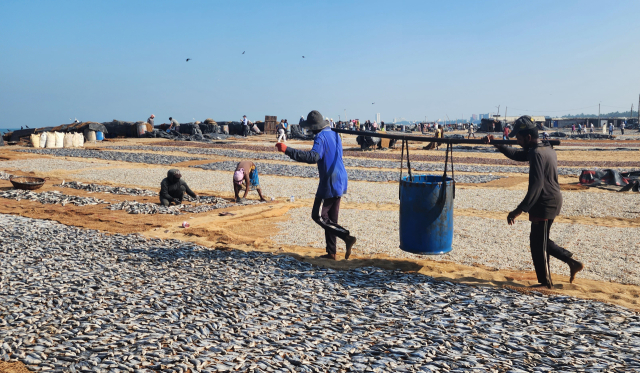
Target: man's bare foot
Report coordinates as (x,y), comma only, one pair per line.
(328,256)
(575,267)
(349,241)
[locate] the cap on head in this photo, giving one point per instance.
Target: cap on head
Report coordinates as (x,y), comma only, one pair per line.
(524,123)
(238,176)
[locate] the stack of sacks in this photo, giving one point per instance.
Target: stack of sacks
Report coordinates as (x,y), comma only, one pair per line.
(35,140)
(78,140)
(43,139)
(68,140)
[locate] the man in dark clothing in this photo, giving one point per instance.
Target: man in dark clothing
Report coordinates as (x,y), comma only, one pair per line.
(172,188)
(543,200)
(245,126)
(327,153)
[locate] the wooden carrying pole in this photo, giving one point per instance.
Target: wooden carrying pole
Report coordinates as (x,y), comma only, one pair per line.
(432,139)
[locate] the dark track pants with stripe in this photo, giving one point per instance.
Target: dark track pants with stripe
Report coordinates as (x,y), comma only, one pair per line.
(327,218)
(542,247)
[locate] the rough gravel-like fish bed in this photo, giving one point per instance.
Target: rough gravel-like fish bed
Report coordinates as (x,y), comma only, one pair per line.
(361,174)
(609,254)
(149,158)
(73,299)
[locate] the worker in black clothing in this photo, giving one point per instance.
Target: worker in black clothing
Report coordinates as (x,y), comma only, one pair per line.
(173,188)
(543,200)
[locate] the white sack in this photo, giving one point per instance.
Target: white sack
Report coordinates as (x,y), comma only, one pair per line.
(35,140)
(43,139)
(68,140)
(59,139)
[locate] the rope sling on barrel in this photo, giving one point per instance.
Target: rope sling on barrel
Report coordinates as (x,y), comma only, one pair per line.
(444,175)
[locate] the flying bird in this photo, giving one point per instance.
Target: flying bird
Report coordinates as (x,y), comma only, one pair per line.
(243,52)
(188,59)
(27,126)
(302,56)
(21,127)
(373,103)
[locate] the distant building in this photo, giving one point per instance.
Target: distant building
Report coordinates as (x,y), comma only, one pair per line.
(567,122)
(483,116)
(474,117)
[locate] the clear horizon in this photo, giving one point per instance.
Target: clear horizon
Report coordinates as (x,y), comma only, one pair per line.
(121,60)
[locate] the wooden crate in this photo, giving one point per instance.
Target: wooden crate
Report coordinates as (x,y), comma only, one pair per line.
(270,123)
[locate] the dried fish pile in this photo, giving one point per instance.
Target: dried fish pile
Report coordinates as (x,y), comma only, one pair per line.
(207,203)
(150,158)
(354,174)
(98,188)
(372,163)
(73,300)
(609,253)
(458,159)
(134,207)
(4,175)
(50,197)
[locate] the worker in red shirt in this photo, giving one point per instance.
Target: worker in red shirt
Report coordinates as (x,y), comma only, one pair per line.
(505,133)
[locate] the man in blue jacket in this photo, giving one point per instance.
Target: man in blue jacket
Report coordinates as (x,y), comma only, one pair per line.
(327,153)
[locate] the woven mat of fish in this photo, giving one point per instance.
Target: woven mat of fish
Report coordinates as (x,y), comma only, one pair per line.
(108,189)
(4,175)
(50,197)
(206,204)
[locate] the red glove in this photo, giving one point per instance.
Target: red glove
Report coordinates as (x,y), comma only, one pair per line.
(282,147)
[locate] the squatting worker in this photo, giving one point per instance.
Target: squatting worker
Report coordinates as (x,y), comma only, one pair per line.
(246,174)
(174,125)
(151,119)
(543,200)
(327,153)
(173,188)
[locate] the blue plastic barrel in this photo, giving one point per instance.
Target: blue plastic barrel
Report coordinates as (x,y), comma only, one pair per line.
(426,215)
(99,136)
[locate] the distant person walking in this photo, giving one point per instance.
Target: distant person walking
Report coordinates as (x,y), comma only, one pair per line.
(470,131)
(543,201)
(610,129)
(591,127)
(280,129)
(622,128)
(573,128)
(287,129)
(245,126)
(579,129)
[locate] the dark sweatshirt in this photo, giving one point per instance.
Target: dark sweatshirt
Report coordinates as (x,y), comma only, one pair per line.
(543,199)
(171,187)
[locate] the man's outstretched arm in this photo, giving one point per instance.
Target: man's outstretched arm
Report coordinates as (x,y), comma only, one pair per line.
(310,156)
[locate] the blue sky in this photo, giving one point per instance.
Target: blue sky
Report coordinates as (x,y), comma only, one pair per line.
(103,60)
